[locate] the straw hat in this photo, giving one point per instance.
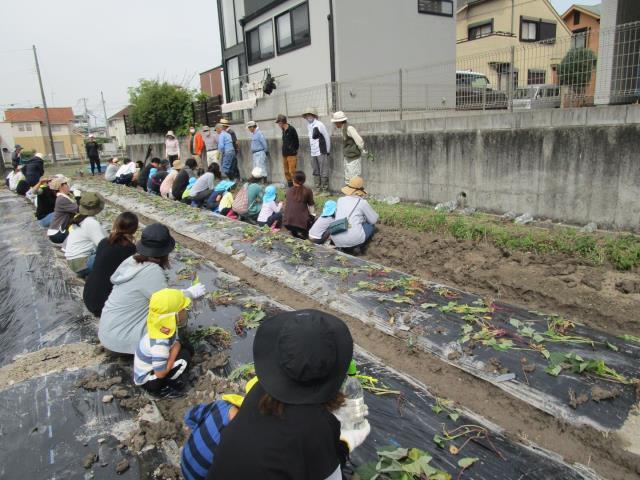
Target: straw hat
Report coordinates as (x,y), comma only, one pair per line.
(339,117)
(57,182)
(310,111)
(177,165)
(224,121)
(170,134)
(355,186)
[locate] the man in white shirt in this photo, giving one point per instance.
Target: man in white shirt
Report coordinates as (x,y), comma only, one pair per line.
(124,175)
(320,144)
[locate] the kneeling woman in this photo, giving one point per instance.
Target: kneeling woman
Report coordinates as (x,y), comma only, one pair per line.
(85,233)
(123,320)
(286,428)
(111,252)
(63,211)
(161,359)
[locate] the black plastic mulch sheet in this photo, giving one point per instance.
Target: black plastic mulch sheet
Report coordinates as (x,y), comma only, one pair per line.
(408,421)
(37,307)
(333,279)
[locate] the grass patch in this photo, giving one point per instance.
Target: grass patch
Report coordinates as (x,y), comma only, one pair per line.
(620,250)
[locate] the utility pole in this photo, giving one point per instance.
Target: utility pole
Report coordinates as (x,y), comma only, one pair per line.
(104,110)
(44,104)
(86,116)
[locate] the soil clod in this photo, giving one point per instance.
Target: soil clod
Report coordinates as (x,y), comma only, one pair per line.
(576,400)
(89,460)
(599,394)
(122,466)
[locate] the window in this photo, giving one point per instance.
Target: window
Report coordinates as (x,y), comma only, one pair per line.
(576,18)
(480,30)
(537,30)
(436,7)
(292,29)
(579,38)
(529,31)
(229,24)
(233,79)
(25,127)
(260,42)
(536,77)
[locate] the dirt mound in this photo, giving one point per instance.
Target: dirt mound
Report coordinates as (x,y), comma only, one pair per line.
(589,294)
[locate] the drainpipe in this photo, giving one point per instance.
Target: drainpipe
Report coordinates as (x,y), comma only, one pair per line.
(332,55)
(513,17)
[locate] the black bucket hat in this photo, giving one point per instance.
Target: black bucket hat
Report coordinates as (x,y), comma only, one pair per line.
(302,357)
(156,241)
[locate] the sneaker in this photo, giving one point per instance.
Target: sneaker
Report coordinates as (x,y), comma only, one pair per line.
(169,393)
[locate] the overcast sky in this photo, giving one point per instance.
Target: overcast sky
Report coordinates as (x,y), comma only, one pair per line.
(87,46)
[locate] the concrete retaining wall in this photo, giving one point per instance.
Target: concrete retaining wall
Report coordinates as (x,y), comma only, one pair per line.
(573,165)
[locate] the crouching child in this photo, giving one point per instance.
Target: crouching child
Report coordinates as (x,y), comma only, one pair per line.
(161,359)
(319,232)
(206,422)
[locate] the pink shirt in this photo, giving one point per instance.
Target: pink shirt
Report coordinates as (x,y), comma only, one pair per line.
(167,183)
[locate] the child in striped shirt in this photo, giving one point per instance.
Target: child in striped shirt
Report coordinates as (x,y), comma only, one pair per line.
(161,359)
(206,422)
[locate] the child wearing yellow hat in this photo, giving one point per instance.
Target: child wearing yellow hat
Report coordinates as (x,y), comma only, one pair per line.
(161,359)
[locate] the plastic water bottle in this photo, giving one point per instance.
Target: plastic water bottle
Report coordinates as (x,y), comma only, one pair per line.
(354,410)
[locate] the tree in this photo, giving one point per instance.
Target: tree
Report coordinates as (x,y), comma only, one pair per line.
(576,68)
(158,107)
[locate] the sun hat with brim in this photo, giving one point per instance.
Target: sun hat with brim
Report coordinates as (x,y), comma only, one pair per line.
(170,134)
(164,305)
(177,165)
(302,357)
(355,186)
(57,182)
(310,111)
(224,185)
(236,400)
(339,117)
(329,208)
(224,121)
(91,203)
(251,123)
(156,241)
(270,194)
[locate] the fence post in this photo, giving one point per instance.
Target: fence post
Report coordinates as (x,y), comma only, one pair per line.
(400,90)
(286,106)
(510,94)
(326,88)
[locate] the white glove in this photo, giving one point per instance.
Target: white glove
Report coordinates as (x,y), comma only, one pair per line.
(196,291)
(355,438)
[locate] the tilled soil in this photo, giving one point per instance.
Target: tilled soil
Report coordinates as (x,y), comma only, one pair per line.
(595,295)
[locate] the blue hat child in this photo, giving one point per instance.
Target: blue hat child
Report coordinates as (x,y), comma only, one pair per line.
(192,181)
(329,208)
(269,194)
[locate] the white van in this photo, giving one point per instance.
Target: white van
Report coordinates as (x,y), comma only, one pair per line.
(536,96)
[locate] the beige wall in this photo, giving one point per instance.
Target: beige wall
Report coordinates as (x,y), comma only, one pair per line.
(480,54)
(593,41)
(38,139)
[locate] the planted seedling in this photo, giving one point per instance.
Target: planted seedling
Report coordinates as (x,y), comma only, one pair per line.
(401,463)
(630,338)
(579,365)
(243,372)
(467,432)
(443,405)
(446,293)
(374,385)
(557,329)
(252,315)
(222,297)
(186,273)
(215,335)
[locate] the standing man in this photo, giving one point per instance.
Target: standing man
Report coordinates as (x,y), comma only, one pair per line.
(290,146)
(16,156)
(93,153)
(225,123)
(320,144)
(210,150)
(227,151)
(352,147)
(196,146)
(259,149)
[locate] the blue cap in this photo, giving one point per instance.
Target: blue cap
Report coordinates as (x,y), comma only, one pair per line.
(269,194)
(192,181)
(329,208)
(224,185)
(152,172)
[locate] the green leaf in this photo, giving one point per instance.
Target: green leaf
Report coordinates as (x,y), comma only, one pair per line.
(553,370)
(395,454)
(538,338)
(610,346)
(464,339)
(467,462)
(515,322)
(436,408)
(454,416)
(428,305)
(467,328)
(438,440)
(545,353)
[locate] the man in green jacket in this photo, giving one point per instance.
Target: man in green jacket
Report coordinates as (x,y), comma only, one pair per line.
(352,147)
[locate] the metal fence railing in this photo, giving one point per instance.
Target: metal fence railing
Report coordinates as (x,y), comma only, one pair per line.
(592,67)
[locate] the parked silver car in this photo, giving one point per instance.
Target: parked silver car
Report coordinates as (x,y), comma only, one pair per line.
(536,96)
